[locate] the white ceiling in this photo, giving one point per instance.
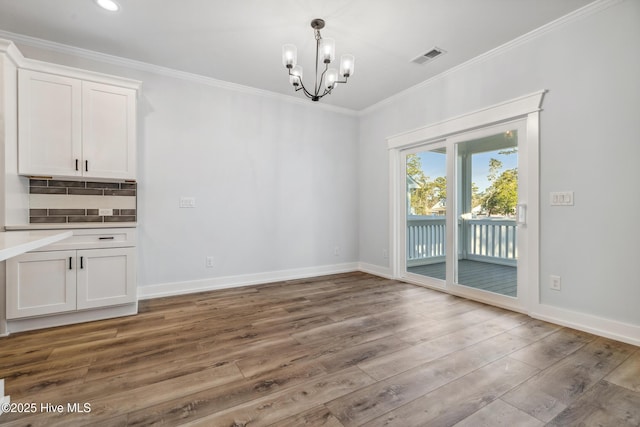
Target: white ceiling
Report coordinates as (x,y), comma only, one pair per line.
(240,41)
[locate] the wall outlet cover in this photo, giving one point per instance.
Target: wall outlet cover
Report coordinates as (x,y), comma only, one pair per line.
(105,212)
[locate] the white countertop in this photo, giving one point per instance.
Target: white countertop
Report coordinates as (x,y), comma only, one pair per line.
(75,225)
(14,243)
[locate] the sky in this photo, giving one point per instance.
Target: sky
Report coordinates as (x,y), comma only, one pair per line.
(434,165)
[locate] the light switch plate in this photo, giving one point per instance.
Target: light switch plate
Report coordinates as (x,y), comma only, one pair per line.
(187,202)
(561,198)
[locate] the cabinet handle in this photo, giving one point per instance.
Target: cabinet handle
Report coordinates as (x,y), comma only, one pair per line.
(86,165)
(76,164)
(81,264)
(70,266)
(106,238)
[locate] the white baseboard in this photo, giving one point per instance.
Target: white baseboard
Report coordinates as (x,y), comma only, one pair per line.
(608,328)
(376,270)
(619,331)
(50,321)
(215,283)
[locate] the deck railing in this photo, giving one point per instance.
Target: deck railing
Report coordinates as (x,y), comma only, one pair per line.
(486,239)
(426,238)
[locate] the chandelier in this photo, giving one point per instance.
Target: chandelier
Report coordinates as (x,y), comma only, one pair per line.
(327,79)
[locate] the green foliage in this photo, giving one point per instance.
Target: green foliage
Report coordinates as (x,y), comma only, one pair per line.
(502,196)
(476,196)
(429,192)
(414,168)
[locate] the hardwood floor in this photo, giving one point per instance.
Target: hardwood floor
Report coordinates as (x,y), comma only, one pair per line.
(343,350)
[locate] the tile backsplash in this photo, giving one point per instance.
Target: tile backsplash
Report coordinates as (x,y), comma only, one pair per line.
(59,202)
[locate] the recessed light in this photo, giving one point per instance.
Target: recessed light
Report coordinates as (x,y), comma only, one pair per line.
(109,5)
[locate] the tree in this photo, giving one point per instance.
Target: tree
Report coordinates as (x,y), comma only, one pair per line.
(502,195)
(436,191)
(429,192)
(476,196)
(414,167)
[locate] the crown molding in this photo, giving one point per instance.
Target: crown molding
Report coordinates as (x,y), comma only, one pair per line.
(11,52)
(163,71)
(588,10)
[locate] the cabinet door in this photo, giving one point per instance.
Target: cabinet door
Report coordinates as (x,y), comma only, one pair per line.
(108,131)
(41,283)
(49,124)
(106,277)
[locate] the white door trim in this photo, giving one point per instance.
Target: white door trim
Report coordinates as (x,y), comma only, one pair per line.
(527,107)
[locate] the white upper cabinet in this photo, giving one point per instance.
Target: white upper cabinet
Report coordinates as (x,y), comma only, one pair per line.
(50,124)
(71,127)
(108,131)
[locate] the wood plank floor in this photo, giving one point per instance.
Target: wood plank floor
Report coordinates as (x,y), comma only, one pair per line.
(500,279)
(343,350)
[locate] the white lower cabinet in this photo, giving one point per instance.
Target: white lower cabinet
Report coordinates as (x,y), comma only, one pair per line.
(61,281)
(106,277)
(41,283)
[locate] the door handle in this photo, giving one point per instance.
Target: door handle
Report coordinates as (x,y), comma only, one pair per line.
(70,266)
(521,214)
(81,262)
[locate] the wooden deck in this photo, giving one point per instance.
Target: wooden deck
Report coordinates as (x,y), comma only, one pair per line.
(490,277)
(343,350)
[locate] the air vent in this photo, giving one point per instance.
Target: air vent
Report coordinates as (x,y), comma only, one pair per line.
(430,55)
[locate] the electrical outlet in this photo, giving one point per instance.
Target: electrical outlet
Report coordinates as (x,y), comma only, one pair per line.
(105,212)
(209,262)
(385,254)
(336,251)
(555,283)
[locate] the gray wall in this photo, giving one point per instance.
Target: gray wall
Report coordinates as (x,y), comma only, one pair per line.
(274,180)
(590,144)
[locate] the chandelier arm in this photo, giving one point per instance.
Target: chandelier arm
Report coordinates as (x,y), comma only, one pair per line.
(304,90)
(326,68)
(300,86)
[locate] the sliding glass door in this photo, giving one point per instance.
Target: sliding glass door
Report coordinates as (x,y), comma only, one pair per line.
(425,173)
(464,214)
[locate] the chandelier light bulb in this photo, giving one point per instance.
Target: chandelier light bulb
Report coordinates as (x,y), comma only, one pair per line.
(295,78)
(331,78)
(289,55)
(327,50)
(347,63)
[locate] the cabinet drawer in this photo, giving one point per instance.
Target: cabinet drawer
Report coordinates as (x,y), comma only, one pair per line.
(95,239)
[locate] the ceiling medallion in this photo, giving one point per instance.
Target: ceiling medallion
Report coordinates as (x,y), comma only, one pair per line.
(327,79)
